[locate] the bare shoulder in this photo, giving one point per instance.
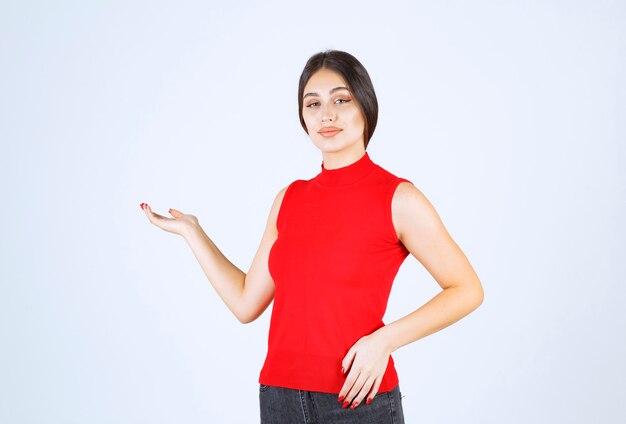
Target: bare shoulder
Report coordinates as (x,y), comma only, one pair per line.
(422,232)
(411,210)
(407,196)
(281,193)
(278,200)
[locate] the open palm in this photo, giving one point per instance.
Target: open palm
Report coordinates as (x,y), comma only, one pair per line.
(179,224)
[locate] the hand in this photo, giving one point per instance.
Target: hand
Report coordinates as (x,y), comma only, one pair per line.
(366,362)
(181,224)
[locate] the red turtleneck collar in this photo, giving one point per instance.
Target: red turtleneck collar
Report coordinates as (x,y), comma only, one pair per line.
(346,175)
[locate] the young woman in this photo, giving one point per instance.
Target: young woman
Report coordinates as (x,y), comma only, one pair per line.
(331,249)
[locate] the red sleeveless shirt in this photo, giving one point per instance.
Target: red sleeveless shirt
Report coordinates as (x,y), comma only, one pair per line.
(333,265)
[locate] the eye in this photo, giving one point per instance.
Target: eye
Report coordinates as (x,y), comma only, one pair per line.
(338,100)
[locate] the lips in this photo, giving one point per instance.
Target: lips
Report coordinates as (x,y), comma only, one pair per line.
(329,131)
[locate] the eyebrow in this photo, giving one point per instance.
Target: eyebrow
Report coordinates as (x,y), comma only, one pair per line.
(330,92)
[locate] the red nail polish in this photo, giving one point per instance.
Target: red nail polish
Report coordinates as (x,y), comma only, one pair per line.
(354,405)
(346,403)
(340,398)
(141,205)
(368,401)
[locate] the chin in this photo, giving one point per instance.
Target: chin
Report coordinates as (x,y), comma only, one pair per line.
(329,145)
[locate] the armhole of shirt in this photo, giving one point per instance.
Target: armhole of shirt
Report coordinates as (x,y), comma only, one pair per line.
(392,191)
(281,209)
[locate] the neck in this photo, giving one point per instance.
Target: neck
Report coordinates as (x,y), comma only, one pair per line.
(334,160)
(349,171)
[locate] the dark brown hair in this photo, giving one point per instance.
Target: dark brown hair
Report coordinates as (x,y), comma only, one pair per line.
(357,79)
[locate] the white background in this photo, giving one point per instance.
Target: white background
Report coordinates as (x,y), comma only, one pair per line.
(509,116)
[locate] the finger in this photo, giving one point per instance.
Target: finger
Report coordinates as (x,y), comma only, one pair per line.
(346,392)
(146,209)
(347,361)
(354,382)
(175,213)
(364,389)
(356,390)
(153,216)
(346,364)
(373,391)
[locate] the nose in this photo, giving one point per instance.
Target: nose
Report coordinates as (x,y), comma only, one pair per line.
(328,114)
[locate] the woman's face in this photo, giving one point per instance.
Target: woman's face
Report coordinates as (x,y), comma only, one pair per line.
(327,102)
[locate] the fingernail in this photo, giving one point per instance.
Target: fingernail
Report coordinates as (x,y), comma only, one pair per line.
(141,205)
(346,403)
(354,405)
(340,398)
(368,401)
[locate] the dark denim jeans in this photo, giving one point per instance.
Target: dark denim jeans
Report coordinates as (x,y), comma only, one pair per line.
(281,405)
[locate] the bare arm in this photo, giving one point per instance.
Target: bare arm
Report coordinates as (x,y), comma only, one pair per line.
(226,278)
(246,295)
(258,290)
(420,229)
